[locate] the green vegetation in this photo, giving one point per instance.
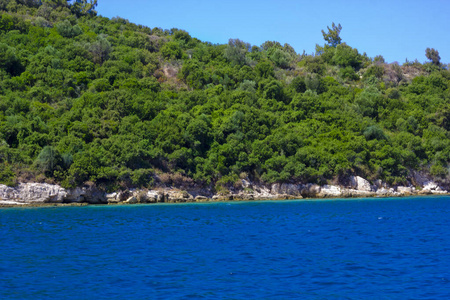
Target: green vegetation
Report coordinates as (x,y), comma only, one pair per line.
(87,98)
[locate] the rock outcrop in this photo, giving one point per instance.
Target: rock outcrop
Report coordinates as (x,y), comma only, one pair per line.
(330,191)
(360,184)
(26,193)
(38,193)
(41,193)
(86,194)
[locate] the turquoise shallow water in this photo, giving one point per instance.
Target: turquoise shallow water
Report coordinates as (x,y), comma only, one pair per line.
(336,249)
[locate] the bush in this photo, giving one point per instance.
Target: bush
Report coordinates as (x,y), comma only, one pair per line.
(172,50)
(7,176)
(346,56)
(438,171)
(374,132)
(66,29)
(281,58)
(47,160)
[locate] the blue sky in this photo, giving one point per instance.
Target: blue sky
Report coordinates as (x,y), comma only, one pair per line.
(395,29)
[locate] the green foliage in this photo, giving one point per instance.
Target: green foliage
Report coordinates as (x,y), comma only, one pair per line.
(348,73)
(332,37)
(182,35)
(9,62)
(65,29)
(264,69)
(280,58)
(100,50)
(438,171)
(47,160)
(236,50)
(298,84)
(172,50)
(375,71)
(374,132)
(346,56)
(433,55)
(314,64)
(7,176)
(86,98)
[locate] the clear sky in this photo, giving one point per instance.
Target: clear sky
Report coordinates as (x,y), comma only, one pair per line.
(395,29)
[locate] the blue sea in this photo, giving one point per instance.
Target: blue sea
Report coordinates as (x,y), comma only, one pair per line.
(396,248)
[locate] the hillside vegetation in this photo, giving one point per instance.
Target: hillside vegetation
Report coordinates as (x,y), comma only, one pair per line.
(87,98)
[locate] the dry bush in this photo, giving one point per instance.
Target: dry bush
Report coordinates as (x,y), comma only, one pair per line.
(165,179)
(181,181)
(393,73)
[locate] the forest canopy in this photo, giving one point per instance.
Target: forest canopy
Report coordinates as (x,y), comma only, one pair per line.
(87,98)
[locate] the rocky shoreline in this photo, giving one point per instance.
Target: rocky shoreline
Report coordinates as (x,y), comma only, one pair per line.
(43,194)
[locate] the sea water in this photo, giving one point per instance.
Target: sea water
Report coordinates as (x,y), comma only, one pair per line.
(336,249)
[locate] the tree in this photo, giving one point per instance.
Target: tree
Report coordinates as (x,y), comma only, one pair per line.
(100,49)
(47,160)
(172,50)
(236,50)
(9,61)
(281,58)
(433,55)
(66,29)
(345,56)
(84,7)
(332,37)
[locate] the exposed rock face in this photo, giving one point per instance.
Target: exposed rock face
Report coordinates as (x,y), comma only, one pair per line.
(360,184)
(29,193)
(179,196)
(328,191)
(88,194)
(245,183)
(310,190)
(36,193)
(201,198)
(132,200)
(385,191)
(32,193)
(286,189)
(431,187)
(420,179)
(405,190)
(150,196)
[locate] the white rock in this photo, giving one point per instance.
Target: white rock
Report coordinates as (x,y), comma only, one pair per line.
(360,184)
(8,193)
(286,189)
(261,190)
(245,183)
(33,193)
(76,195)
(404,190)
(152,196)
(111,196)
(330,191)
(131,200)
(430,186)
(385,191)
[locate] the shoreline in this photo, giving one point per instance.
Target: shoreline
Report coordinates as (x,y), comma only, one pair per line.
(212,201)
(43,194)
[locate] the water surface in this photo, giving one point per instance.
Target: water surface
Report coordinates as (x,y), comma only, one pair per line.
(335,249)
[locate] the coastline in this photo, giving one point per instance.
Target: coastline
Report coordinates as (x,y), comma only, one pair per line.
(48,195)
(211,201)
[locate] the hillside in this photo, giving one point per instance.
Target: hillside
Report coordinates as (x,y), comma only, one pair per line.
(85,98)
